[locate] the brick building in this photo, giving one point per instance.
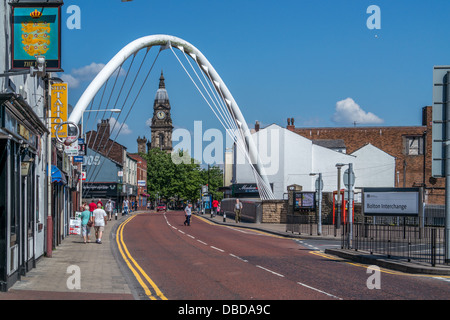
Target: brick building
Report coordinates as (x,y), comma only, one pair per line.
(410,145)
(100,141)
(142,195)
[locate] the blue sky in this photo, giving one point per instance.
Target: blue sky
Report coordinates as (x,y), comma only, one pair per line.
(314,61)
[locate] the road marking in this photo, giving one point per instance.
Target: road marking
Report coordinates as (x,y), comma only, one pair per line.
(181,231)
(190,236)
(253,231)
(234,256)
(315,289)
(129,260)
(442,278)
(217,249)
(275,273)
(202,242)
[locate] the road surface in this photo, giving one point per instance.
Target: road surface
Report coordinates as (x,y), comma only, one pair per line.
(206,261)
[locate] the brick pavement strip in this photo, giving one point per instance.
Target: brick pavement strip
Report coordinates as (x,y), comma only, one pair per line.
(100,275)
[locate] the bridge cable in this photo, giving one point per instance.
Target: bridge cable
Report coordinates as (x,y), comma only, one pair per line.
(225,117)
(137,95)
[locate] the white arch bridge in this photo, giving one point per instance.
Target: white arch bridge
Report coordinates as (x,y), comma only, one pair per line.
(220,100)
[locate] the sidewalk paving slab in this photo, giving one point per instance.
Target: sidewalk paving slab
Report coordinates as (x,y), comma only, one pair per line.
(100,275)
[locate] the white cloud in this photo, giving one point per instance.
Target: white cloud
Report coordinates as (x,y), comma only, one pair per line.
(116,126)
(86,73)
(71,81)
(349,112)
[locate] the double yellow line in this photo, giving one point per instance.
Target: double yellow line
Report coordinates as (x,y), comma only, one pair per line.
(134,266)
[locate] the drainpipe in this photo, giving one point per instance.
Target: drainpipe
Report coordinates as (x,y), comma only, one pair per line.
(49,177)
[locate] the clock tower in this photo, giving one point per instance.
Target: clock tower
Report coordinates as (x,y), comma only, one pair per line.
(161,126)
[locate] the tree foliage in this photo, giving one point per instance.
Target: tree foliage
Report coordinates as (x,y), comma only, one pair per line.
(179,181)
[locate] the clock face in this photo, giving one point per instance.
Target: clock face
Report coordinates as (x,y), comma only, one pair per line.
(161,115)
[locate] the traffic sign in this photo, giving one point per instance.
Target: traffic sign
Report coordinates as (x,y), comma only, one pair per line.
(78,158)
(349,178)
(319,184)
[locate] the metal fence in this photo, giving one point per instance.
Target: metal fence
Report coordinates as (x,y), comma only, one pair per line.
(405,242)
(308,224)
(409,238)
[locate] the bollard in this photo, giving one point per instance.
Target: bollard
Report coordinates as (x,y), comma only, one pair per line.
(224,216)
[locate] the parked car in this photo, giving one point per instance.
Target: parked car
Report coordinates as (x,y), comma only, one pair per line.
(161,207)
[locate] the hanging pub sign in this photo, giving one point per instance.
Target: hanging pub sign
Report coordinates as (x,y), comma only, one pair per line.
(59,109)
(36,30)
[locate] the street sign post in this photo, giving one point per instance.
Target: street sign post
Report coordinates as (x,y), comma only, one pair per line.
(349,182)
(319,188)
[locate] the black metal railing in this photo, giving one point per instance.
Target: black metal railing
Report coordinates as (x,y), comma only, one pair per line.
(308,224)
(405,242)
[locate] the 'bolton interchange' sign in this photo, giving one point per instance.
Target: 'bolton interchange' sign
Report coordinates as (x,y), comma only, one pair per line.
(391,201)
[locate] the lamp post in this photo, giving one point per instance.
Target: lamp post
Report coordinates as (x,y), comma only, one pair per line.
(319,187)
(338,215)
(82,135)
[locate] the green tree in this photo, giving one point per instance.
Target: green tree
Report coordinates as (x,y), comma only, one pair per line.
(181,180)
(160,173)
(213,176)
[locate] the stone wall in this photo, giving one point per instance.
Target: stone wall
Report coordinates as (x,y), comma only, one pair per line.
(274,211)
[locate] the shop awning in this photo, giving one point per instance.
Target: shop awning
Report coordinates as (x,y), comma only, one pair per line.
(58,176)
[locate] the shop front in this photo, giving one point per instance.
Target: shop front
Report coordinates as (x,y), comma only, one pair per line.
(21,178)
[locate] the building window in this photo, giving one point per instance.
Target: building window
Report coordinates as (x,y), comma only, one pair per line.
(414,145)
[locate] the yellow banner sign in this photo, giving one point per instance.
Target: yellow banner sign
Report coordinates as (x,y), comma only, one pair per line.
(59,103)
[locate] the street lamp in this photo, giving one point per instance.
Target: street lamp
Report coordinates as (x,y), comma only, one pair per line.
(319,187)
(338,215)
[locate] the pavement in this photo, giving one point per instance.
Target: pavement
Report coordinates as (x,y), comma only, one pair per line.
(103,276)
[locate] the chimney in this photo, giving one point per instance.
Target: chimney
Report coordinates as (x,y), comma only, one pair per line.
(257,126)
(103,133)
(290,124)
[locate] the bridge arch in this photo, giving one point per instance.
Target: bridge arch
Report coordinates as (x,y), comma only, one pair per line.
(204,65)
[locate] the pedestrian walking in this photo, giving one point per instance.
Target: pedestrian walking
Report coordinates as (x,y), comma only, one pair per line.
(86,224)
(188,212)
(92,206)
(109,209)
(125,206)
(99,222)
(237,210)
(215,204)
